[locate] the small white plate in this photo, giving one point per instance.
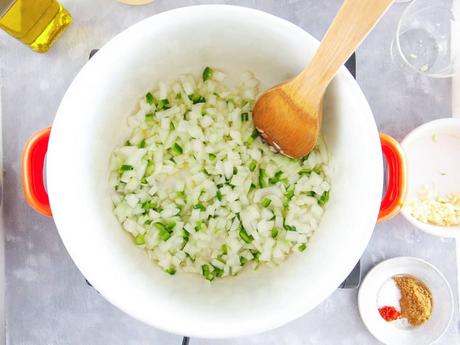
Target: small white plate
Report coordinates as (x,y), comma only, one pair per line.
(390,333)
(433,160)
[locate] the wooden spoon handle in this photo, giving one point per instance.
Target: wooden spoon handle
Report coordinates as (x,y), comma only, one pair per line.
(354,21)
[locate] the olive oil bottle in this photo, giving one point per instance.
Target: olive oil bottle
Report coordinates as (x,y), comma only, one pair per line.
(36,23)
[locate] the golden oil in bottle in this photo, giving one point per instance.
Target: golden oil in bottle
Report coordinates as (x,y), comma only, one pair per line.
(36,23)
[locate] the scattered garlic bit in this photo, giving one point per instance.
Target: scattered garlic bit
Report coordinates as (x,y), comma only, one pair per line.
(424,68)
(434,209)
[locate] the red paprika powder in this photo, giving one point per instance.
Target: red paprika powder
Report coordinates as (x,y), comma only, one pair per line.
(389,313)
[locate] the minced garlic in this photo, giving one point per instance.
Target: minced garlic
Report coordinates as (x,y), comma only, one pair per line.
(434,209)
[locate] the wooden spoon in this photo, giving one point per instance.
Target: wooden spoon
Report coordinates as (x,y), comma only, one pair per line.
(288,116)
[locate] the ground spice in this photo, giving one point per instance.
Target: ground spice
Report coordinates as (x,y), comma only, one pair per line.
(389,313)
(416,300)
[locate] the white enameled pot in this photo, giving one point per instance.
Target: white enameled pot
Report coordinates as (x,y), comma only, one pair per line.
(91,122)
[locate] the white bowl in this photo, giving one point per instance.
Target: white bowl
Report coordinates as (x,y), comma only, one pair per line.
(433,158)
(91,122)
(390,333)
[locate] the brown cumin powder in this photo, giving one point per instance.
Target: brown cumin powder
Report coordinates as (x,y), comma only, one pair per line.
(416,300)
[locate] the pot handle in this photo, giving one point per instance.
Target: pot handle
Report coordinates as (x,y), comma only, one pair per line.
(33,160)
(396,178)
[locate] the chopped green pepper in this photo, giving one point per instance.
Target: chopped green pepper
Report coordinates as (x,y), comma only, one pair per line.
(256,255)
(185,235)
(266,202)
(178,149)
(169,225)
(139,239)
(305,172)
(245,236)
(197,99)
(276,178)
(126,167)
(171,270)
(207,272)
(192,259)
(186,238)
(141,144)
(252,165)
(164,234)
(150,168)
(304,158)
(149,98)
(286,202)
(149,205)
(199,206)
(324,198)
(290,227)
(205,269)
(207,73)
(163,104)
(289,193)
(218,272)
(159,226)
(318,169)
(199,226)
(253,136)
(262,176)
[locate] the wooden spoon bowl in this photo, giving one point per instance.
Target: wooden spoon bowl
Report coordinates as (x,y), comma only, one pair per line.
(294,137)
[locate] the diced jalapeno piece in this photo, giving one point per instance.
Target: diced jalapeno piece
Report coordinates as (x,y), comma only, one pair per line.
(245,236)
(207,73)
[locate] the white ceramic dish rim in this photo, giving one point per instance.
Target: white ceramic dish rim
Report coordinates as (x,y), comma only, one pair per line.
(371,275)
(439,125)
(61,135)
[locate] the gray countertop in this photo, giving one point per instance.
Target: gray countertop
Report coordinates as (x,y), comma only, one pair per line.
(47,299)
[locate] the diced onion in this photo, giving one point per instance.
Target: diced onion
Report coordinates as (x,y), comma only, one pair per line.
(200,192)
